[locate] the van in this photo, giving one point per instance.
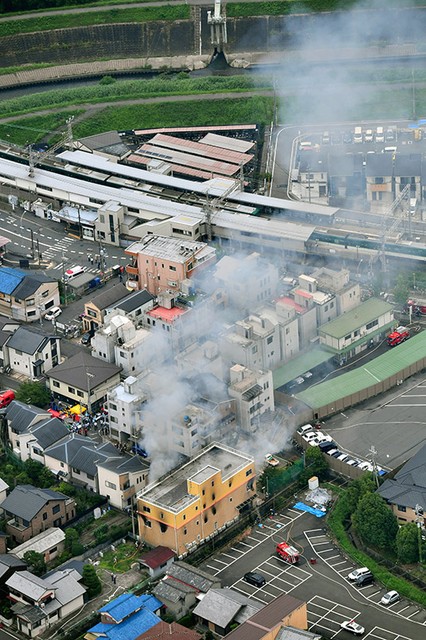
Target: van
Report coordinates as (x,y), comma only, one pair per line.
(73,273)
(380,136)
(368,135)
(358,135)
(356,573)
(413,206)
(390,149)
(305,429)
(326,137)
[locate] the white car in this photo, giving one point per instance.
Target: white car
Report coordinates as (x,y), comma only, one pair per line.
(305,429)
(390,597)
(53,313)
(365,466)
(353,627)
(356,573)
(311,435)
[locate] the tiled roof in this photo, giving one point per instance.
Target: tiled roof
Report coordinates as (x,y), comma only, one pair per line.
(156,557)
(28,341)
(173,631)
(109,297)
(25,501)
(126,604)
(74,371)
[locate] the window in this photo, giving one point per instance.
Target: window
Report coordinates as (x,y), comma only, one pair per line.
(80,394)
(45,516)
(172,268)
(163,527)
(56,508)
(372,324)
(185,531)
(269,340)
(76,471)
(184,516)
(348,337)
(71,389)
(401,508)
(249,472)
(147,509)
(212,483)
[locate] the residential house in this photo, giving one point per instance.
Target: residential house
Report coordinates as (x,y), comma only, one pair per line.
(7,327)
(31,354)
(197,500)
(308,295)
(158,561)
(29,511)
(273,621)
(83,379)
(405,493)
(49,543)
(26,297)
(134,305)
(352,332)
(39,602)
(170,631)
(77,457)
(379,171)
(407,170)
(32,430)
(341,182)
(96,308)
(161,264)
(127,616)
(313,175)
(245,281)
(9,563)
(120,478)
(221,608)
(254,395)
(179,589)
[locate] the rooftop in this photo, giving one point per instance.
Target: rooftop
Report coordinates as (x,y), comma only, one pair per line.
(171,249)
(358,317)
(42,542)
(172,491)
(373,372)
(298,366)
(166,315)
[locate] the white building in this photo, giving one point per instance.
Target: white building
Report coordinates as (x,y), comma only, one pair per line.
(124,404)
(254,395)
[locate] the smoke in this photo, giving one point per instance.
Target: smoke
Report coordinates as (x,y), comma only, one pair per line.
(323,76)
(177,380)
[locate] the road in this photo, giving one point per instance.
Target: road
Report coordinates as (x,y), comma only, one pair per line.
(323,585)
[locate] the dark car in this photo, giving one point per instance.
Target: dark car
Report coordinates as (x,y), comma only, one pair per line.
(336,454)
(256,579)
(86,337)
(139,451)
(326,446)
(364,579)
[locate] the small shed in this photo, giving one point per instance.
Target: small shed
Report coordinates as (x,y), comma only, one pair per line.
(157,561)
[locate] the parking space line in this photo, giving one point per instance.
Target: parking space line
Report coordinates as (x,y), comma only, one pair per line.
(246,545)
(220,561)
(212,568)
(232,557)
(336,564)
(337,556)
(249,595)
(325,542)
(325,551)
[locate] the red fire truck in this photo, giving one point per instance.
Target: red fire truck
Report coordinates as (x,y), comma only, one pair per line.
(418,306)
(399,335)
(287,553)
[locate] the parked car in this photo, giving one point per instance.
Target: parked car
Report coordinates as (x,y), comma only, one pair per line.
(305,429)
(139,451)
(53,313)
(336,454)
(327,446)
(358,572)
(364,580)
(331,452)
(343,457)
(256,579)
(6,398)
(86,337)
(73,273)
(390,597)
(352,627)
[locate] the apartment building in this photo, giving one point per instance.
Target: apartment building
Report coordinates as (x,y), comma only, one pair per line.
(253,392)
(124,404)
(197,500)
(161,264)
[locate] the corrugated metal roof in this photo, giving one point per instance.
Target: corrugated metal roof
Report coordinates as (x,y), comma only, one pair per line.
(358,317)
(385,366)
(10,279)
(188,160)
(223,127)
(227,142)
(298,366)
(198,149)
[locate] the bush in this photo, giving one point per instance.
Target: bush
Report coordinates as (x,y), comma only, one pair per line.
(91,581)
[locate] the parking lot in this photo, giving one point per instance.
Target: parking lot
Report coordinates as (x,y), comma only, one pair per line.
(394,425)
(320,579)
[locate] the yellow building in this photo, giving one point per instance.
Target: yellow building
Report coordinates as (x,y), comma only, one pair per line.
(195,502)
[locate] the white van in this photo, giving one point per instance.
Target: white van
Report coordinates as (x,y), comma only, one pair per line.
(368,135)
(73,273)
(380,134)
(358,135)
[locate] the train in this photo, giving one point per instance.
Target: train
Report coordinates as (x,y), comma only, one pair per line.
(342,237)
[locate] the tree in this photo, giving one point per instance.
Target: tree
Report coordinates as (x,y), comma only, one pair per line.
(35,562)
(91,581)
(356,490)
(315,465)
(72,542)
(407,543)
(33,393)
(39,475)
(374,522)
(401,290)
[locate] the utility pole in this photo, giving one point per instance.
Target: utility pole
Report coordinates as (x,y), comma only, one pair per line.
(419,521)
(373,455)
(64,280)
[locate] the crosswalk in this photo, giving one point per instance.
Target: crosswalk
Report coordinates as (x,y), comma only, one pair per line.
(63,246)
(61,266)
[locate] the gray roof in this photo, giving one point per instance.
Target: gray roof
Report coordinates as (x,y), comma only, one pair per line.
(222,606)
(28,584)
(74,371)
(28,341)
(192,576)
(30,284)
(291,633)
(408,487)
(172,590)
(21,416)
(125,464)
(66,585)
(134,301)
(109,297)
(10,561)
(82,453)
(339,165)
(29,612)
(25,501)
(49,431)
(379,165)
(407,166)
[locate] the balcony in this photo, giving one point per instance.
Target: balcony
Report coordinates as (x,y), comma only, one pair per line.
(128,493)
(17,525)
(132,270)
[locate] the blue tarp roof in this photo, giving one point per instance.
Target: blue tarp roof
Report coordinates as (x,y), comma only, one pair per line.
(128,603)
(130,629)
(304,507)
(10,279)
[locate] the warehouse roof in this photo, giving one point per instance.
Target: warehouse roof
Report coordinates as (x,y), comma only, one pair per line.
(377,370)
(198,149)
(358,317)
